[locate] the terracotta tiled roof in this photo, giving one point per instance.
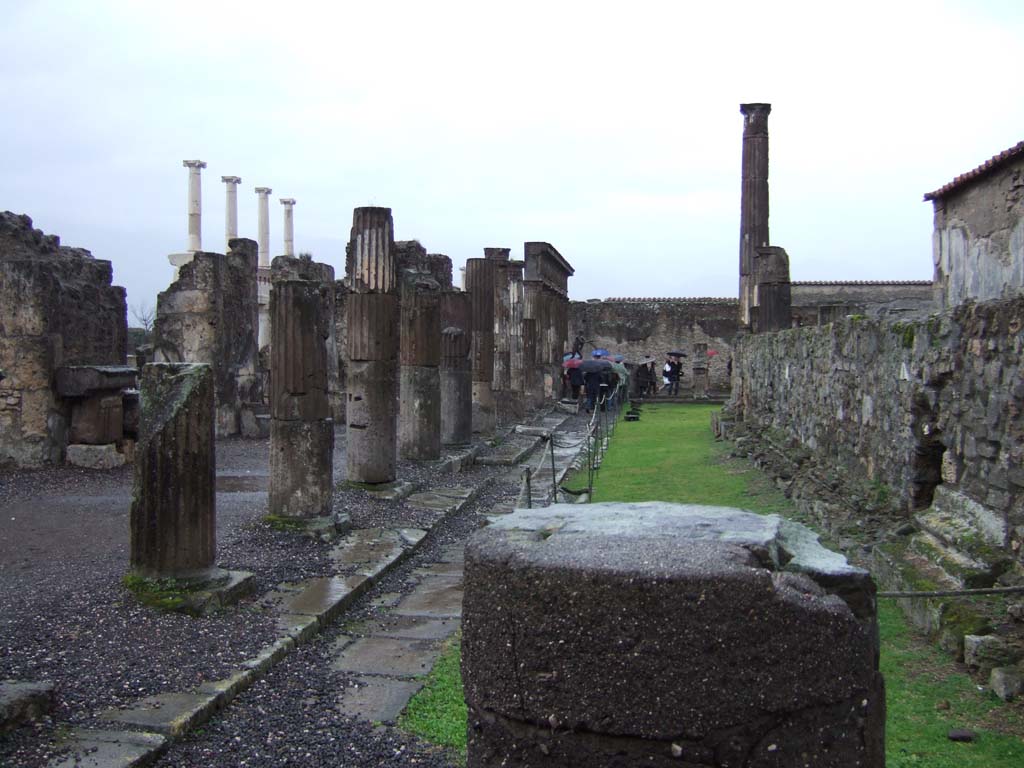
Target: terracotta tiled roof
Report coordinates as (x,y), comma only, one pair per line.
(989,165)
(861,282)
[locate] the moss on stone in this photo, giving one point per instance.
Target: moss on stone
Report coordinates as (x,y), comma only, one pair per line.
(287,524)
(163,594)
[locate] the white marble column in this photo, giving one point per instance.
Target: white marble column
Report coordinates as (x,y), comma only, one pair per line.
(289,225)
(195,205)
(263,220)
(230,209)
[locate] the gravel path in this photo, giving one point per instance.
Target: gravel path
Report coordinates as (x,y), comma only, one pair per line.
(64,616)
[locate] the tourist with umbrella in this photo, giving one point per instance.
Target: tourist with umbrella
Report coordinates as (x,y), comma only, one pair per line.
(593,371)
(572,369)
(621,391)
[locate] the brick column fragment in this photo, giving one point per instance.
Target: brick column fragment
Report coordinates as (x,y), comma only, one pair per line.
(173,513)
(372,328)
(419,423)
(456,373)
(480,286)
(301,429)
(753,199)
(772,304)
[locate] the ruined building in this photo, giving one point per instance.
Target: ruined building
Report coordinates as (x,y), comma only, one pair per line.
(63,332)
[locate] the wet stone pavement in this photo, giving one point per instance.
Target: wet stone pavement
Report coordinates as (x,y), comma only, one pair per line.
(335,640)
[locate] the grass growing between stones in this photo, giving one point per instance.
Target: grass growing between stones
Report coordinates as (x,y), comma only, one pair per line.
(670,455)
(438,712)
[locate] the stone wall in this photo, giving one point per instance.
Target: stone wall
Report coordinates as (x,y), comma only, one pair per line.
(210,315)
(57,307)
(902,406)
(638,327)
(820,302)
(978,241)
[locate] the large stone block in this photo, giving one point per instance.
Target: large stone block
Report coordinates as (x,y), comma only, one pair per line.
(173,512)
(97,420)
(659,634)
(301,467)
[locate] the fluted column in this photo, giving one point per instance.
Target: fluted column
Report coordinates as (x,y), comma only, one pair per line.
(419,421)
(753,199)
(480,286)
(456,374)
(372,328)
(230,209)
(263,224)
(288,204)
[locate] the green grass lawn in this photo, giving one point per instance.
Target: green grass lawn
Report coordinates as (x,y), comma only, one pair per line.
(438,712)
(669,455)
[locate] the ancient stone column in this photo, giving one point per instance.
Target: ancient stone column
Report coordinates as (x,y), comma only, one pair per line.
(753,198)
(456,374)
(263,269)
(289,225)
(515,346)
(501,382)
(419,421)
(301,429)
(230,208)
(173,512)
(533,338)
(195,204)
(772,306)
(263,224)
(530,388)
(372,330)
(480,286)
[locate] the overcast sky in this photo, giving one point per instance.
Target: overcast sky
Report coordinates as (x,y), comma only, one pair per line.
(610,130)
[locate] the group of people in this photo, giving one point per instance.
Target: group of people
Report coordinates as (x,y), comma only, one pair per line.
(606,379)
(648,376)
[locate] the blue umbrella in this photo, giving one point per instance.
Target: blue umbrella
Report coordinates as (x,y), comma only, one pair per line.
(619,358)
(600,353)
(567,356)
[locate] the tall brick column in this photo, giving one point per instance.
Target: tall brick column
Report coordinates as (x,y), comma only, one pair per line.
(301,429)
(456,373)
(372,327)
(480,286)
(753,199)
(419,420)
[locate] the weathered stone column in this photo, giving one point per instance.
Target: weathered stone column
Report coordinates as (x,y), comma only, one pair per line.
(372,329)
(264,279)
(419,421)
(516,367)
(230,209)
(173,512)
(480,286)
(753,199)
(679,634)
(456,373)
(533,332)
(501,381)
(772,305)
(288,204)
(195,204)
(532,391)
(263,224)
(301,430)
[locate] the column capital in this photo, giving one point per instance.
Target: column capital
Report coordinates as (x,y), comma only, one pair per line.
(193,163)
(288,201)
(263,190)
(231,179)
(755,121)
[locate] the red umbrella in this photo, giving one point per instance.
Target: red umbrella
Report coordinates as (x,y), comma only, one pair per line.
(573,362)
(712,352)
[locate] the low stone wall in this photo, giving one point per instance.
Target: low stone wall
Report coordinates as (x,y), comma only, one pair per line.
(639,327)
(901,407)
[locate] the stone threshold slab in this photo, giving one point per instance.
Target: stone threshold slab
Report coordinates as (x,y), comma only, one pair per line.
(97,748)
(21,701)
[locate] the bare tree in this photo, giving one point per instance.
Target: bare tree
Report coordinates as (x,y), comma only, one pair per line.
(144,314)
